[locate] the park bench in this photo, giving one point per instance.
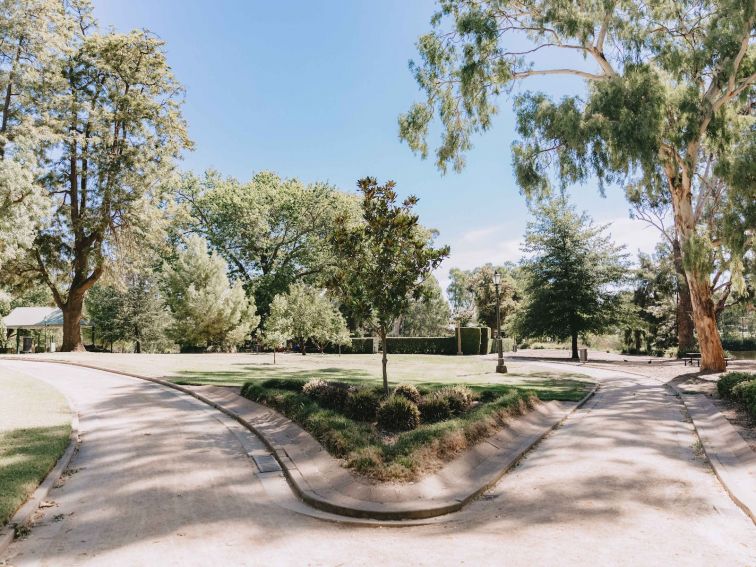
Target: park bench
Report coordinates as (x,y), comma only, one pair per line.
(695,357)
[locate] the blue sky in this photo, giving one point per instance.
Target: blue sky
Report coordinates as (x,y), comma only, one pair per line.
(313,89)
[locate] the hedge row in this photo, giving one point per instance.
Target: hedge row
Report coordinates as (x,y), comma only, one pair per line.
(739,344)
(360,345)
(422,345)
(739,387)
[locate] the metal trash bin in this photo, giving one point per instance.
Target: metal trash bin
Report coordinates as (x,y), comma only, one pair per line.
(583,354)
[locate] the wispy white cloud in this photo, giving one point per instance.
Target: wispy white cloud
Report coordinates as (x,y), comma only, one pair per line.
(490,245)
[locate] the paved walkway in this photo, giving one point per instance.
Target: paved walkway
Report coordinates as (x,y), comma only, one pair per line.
(163,479)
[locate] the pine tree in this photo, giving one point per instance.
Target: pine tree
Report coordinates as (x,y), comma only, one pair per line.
(208,310)
(573,272)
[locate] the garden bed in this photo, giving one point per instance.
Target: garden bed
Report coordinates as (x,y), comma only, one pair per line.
(412,432)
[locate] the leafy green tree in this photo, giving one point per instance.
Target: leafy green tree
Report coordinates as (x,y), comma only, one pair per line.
(31,33)
(665,85)
(303,314)
(110,110)
(461,297)
(273,232)
(207,309)
(572,272)
(384,259)
(427,316)
(654,300)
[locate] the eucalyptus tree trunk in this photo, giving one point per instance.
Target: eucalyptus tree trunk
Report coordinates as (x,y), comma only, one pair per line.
(704,312)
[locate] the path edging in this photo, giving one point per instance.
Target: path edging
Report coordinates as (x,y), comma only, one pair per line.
(23,516)
(298,482)
(722,473)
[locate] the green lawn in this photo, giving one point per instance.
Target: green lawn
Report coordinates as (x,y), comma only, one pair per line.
(35,424)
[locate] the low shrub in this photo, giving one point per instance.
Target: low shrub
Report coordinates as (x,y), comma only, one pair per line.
(408,391)
(362,405)
(291,384)
(434,408)
(459,398)
(728,381)
(331,395)
(745,392)
(398,414)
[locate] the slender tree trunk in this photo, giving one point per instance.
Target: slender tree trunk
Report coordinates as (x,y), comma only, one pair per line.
(384,360)
(303,346)
(685,326)
(575,345)
(72,311)
(138,347)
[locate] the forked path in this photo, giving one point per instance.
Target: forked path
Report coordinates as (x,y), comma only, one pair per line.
(161,479)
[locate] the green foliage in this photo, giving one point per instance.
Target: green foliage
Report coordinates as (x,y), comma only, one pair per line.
(107,130)
(292,384)
(422,345)
(470,340)
(428,315)
(745,393)
(362,405)
(208,310)
(385,257)
(573,271)
(435,408)
(728,381)
(397,413)
(137,313)
(408,391)
(304,314)
(668,94)
(273,232)
(485,340)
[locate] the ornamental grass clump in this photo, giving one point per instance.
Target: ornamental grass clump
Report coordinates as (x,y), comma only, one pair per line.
(435,408)
(331,395)
(460,398)
(397,413)
(362,405)
(408,391)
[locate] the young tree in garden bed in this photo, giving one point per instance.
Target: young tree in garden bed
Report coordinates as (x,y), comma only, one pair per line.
(207,309)
(572,272)
(385,258)
(666,86)
(304,314)
(110,113)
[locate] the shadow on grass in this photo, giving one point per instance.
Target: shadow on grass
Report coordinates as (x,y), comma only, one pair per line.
(26,456)
(253,373)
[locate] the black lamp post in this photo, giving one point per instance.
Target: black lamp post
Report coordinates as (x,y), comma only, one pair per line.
(500,366)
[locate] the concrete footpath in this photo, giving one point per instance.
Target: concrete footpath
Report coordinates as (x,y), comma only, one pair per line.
(162,478)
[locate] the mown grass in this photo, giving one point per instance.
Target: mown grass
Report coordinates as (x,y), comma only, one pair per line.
(407,456)
(34,432)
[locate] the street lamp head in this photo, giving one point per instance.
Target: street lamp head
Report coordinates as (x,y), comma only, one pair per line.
(497,277)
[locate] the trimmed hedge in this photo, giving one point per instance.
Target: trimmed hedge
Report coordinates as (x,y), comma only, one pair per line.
(470,340)
(485,340)
(745,393)
(739,344)
(421,345)
(360,345)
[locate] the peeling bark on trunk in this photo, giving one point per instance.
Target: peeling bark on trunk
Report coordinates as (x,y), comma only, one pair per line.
(704,315)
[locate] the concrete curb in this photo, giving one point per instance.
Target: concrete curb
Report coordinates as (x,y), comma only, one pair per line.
(23,516)
(340,504)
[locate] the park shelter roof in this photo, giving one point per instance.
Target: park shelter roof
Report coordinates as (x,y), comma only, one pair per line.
(35,318)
